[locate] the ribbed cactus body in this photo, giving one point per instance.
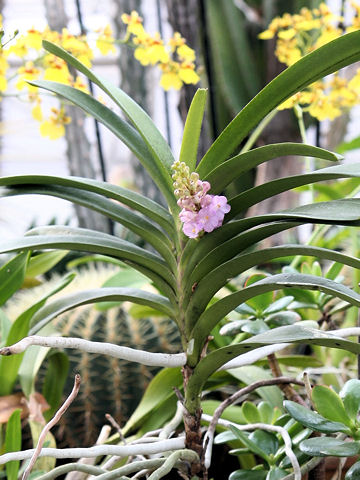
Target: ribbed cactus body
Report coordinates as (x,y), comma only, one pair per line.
(109,385)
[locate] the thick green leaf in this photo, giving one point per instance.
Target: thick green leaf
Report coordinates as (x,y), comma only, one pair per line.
(228,171)
(350,395)
(288,334)
(116,125)
(80,239)
(42,263)
(250,197)
(313,420)
(325,60)
(9,366)
(329,404)
(210,317)
(236,78)
(155,142)
(254,447)
(208,284)
(160,388)
(67,302)
(5,325)
(192,129)
(13,444)
(327,446)
(299,361)
(54,381)
(131,220)
(354,472)
(350,145)
(224,243)
(250,412)
(132,199)
(12,276)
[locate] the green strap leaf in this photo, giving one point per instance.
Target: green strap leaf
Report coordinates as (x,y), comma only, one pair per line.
(106,294)
(80,239)
(131,220)
(289,334)
(217,278)
(325,60)
(336,212)
(54,381)
(230,170)
(192,129)
(116,125)
(221,308)
(9,366)
(156,143)
(132,199)
(13,443)
(254,195)
(12,276)
(160,389)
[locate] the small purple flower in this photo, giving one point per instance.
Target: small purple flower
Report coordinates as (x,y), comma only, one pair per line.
(200,212)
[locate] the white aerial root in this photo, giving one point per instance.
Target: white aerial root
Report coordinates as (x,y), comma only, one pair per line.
(125,353)
(100,450)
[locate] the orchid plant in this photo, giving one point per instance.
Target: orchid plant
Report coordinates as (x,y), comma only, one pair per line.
(198,243)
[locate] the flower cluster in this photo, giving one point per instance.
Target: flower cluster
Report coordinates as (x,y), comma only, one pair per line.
(175,59)
(201,212)
(299,34)
(38,64)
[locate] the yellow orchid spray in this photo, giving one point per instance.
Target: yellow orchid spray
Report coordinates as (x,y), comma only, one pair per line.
(299,34)
(174,58)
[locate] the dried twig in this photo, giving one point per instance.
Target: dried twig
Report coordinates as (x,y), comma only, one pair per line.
(271,428)
(125,353)
(209,436)
(50,424)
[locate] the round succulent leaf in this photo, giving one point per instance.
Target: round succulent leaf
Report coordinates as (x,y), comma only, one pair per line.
(313,420)
(239,451)
(255,327)
(276,474)
(248,475)
(280,319)
(266,412)
(328,446)
(244,437)
(250,412)
(245,309)
(350,395)
(279,305)
(224,437)
(329,404)
(265,440)
(354,472)
(232,328)
(316,269)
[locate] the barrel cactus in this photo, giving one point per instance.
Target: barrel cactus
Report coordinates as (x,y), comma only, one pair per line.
(109,385)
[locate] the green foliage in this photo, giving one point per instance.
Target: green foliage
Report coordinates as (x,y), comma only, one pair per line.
(189,273)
